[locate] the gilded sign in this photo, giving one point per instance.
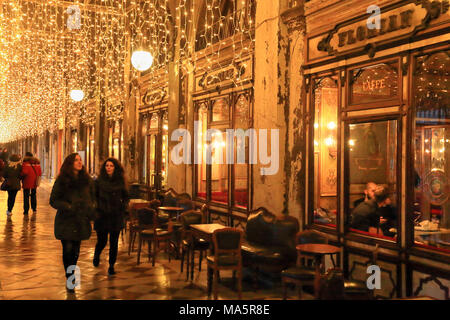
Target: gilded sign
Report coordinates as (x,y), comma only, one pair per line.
(397,23)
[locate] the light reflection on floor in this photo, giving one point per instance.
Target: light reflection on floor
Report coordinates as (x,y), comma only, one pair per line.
(31,266)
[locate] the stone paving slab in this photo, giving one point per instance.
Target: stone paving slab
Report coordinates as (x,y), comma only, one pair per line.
(31,265)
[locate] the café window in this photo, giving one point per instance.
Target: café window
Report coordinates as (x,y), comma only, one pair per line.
(154,148)
(372,178)
(90,146)
(374,83)
(115,139)
(325,150)
(217,180)
(431,211)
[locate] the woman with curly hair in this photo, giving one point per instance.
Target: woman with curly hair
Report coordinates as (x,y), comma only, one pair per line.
(112,199)
(73,196)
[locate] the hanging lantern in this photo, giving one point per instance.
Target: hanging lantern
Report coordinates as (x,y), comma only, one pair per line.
(141,60)
(77,95)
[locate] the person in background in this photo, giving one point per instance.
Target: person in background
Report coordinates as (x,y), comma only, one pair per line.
(368,194)
(73,195)
(112,202)
(366,216)
(11,173)
(31,170)
(5,156)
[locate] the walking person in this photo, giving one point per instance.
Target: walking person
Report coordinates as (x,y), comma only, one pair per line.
(73,196)
(112,202)
(31,173)
(11,173)
(5,156)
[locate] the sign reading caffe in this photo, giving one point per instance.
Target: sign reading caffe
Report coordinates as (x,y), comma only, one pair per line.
(398,23)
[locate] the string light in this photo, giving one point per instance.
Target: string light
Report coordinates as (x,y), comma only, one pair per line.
(42,60)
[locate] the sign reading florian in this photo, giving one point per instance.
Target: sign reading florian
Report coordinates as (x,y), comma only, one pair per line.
(378,26)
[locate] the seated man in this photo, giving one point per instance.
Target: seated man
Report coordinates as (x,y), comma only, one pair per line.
(370,189)
(388,218)
(366,216)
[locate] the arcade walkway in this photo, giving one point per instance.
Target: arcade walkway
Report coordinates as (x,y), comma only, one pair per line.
(31,266)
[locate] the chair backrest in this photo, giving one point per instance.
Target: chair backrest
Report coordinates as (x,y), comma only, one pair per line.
(228,241)
(190,217)
(146,216)
(186,204)
(170,198)
(310,236)
(205,213)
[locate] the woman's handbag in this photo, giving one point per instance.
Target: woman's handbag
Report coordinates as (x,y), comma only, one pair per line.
(38,178)
(4,185)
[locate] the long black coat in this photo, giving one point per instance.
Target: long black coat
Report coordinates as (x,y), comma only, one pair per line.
(112,202)
(75,201)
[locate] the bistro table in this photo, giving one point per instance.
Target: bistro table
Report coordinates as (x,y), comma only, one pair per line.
(205,231)
(318,251)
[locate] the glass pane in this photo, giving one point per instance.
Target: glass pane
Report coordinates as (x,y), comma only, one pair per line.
(220,110)
(432,152)
(242,110)
(110,142)
(154,121)
(152,160)
(242,113)
(165,150)
(145,163)
(219,168)
(325,151)
(201,152)
(374,83)
(372,177)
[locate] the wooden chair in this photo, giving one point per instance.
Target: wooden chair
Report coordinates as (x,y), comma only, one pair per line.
(304,272)
(153,235)
(134,227)
(227,256)
(189,244)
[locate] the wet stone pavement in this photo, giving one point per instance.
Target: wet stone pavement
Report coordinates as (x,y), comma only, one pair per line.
(31,265)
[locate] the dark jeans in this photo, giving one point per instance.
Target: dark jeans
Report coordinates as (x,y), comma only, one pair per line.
(11,199)
(26,200)
(102,239)
(71,251)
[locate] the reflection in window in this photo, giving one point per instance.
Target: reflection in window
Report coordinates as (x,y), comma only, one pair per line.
(165,150)
(374,83)
(431,214)
(201,151)
(219,168)
(372,148)
(220,110)
(241,169)
(325,151)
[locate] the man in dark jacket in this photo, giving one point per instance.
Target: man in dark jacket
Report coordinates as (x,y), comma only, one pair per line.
(365,216)
(31,171)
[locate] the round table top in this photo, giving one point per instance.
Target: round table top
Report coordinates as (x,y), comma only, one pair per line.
(318,248)
(171,208)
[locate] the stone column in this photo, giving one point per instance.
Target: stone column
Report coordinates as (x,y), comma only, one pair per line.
(295,157)
(270,103)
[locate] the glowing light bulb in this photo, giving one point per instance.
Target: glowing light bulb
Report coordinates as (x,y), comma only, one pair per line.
(331,125)
(141,60)
(77,95)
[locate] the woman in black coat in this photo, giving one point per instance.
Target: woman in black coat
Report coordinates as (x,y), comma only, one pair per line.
(11,174)
(73,195)
(112,202)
